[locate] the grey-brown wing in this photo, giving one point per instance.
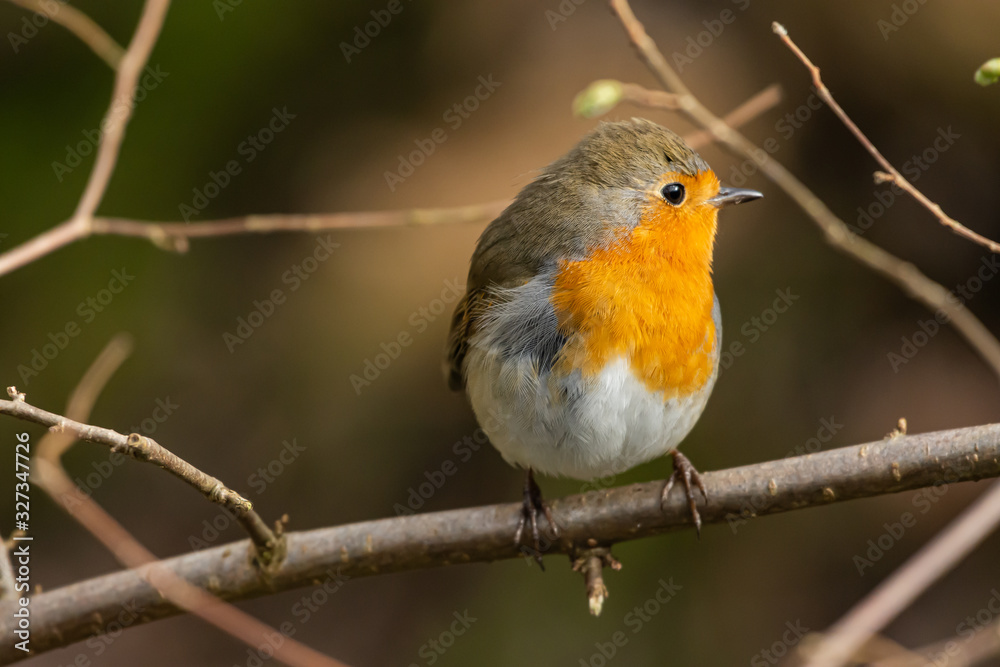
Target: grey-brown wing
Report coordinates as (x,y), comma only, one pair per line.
(462,327)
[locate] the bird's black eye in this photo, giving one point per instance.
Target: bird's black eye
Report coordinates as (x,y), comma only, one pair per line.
(673,193)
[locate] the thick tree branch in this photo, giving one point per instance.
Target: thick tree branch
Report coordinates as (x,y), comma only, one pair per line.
(481,534)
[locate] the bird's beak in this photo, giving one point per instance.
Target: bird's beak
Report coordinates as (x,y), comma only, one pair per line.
(729,196)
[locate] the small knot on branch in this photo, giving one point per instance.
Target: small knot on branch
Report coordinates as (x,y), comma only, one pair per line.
(883,177)
(169,242)
(15,395)
(137,446)
(223,495)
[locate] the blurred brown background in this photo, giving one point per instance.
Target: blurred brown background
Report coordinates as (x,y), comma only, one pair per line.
(825,359)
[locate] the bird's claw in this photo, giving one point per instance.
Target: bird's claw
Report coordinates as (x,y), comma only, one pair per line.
(685,470)
(531,506)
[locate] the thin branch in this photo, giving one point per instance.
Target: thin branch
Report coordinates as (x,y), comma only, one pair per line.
(142,448)
(600,518)
(837,234)
(122,102)
(115,119)
(891,173)
(895,594)
(174,236)
(81,25)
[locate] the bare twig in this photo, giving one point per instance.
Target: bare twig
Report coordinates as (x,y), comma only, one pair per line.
(175,236)
(480,534)
(590,562)
(891,173)
(896,593)
(122,102)
(115,119)
(142,448)
(81,25)
(837,234)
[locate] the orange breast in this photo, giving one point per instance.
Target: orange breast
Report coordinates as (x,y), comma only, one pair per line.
(648,298)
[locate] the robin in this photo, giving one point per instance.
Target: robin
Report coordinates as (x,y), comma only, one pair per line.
(588,338)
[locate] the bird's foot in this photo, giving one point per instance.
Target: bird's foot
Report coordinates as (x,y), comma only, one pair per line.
(686,472)
(532,505)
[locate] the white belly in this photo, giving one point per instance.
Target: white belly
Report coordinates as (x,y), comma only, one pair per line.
(573,427)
